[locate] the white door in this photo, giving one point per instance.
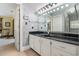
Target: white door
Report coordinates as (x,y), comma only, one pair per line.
(45,47)
(16,28)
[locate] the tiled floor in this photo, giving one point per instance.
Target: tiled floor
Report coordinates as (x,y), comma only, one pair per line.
(10,50)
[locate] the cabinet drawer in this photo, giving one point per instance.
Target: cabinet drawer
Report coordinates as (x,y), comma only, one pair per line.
(58,52)
(69,48)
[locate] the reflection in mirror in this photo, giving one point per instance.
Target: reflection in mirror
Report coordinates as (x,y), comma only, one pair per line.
(73,21)
(65,20)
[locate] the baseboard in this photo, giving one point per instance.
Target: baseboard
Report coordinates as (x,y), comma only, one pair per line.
(25,48)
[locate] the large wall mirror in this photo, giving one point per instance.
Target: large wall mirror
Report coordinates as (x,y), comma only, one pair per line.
(72,24)
(66,21)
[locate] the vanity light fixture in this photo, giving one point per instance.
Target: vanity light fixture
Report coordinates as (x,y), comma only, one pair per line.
(38,12)
(57,8)
(50,4)
(44,8)
(62,7)
(67,5)
(53,4)
(51,11)
(44,14)
(54,10)
(41,9)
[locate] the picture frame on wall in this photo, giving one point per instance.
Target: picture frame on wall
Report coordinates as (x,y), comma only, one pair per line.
(7,24)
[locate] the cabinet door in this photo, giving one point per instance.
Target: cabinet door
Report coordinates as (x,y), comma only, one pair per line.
(52,48)
(45,47)
(62,49)
(31,41)
(69,48)
(77,50)
(58,52)
(37,44)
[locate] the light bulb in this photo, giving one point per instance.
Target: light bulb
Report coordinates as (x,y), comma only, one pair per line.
(57,8)
(53,4)
(62,7)
(54,10)
(67,5)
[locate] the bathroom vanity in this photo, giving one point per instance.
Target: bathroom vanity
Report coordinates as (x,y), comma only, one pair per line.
(54,44)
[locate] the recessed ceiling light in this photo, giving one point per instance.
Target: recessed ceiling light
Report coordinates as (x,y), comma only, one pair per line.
(57,8)
(54,10)
(62,7)
(67,5)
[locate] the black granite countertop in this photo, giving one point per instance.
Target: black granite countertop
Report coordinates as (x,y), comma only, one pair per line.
(66,38)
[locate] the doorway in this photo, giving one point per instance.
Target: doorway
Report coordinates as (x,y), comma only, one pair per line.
(10,25)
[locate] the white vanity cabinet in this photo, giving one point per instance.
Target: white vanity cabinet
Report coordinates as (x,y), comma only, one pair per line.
(45,47)
(63,49)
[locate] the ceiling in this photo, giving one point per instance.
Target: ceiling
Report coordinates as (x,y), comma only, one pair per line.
(34,6)
(7,9)
(13,5)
